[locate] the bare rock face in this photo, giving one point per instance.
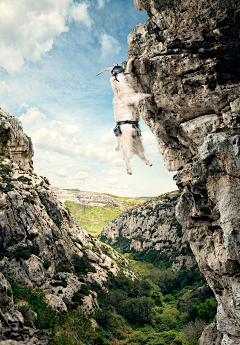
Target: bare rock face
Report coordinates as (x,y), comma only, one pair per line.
(15,144)
(41,245)
(12,330)
(187,56)
(152,227)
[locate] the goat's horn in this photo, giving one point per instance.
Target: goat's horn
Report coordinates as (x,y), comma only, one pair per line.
(106,69)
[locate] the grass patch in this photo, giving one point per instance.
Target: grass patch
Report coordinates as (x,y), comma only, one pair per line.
(93,219)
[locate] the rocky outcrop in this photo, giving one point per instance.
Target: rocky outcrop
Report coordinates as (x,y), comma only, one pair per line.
(13,142)
(41,245)
(187,56)
(12,330)
(152,227)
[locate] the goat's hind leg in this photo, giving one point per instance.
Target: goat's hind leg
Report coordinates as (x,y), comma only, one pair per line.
(139,150)
(127,155)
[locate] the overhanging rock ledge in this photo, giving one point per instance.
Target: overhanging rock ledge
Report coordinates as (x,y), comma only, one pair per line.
(188,56)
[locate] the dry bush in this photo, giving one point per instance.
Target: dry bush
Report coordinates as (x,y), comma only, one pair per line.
(192,331)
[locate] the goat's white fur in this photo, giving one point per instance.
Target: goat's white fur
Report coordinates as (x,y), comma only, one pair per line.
(125,103)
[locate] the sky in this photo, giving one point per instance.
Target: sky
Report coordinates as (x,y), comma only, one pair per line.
(51,51)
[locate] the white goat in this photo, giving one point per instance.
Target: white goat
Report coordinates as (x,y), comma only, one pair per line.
(125,103)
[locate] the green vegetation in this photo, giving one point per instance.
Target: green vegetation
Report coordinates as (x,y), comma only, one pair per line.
(73,328)
(63,268)
(82,265)
(93,219)
(21,252)
(137,312)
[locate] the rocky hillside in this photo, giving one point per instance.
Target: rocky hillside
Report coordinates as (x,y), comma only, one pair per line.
(151,231)
(41,246)
(187,56)
(92,199)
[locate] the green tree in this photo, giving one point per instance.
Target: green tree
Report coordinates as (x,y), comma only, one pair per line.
(169,318)
(207,310)
(139,311)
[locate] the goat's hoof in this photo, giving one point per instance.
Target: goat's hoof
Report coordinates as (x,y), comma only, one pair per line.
(149,164)
(129,172)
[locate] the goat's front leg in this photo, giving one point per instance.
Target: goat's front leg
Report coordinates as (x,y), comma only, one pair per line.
(129,65)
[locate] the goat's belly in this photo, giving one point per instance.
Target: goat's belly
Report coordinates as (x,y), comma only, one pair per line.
(124,112)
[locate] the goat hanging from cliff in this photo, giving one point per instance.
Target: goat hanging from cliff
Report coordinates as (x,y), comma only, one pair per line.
(125,103)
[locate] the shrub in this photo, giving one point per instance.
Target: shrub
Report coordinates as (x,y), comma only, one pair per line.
(207,310)
(138,311)
(73,329)
(169,318)
(63,268)
(82,265)
(58,223)
(192,331)
(47,264)
(22,252)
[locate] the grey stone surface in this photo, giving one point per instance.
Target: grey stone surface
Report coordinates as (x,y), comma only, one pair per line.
(187,56)
(41,245)
(14,143)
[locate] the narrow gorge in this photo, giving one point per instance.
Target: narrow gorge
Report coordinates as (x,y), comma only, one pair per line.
(187,55)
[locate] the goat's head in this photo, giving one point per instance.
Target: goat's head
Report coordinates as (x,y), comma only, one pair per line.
(117,72)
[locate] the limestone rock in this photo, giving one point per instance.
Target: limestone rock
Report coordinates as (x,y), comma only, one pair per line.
(12,330)
(40,243)
(56,303)
(210,335)
(187,56)
(151,227)
(14,143)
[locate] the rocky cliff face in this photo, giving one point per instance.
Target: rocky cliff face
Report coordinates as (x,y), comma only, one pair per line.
(188,55)
(41,245)
(152,229)
(15,144)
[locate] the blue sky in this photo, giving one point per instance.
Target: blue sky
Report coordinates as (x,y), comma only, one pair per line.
(50,53)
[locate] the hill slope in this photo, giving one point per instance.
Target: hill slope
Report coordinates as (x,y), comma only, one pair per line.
(151,233)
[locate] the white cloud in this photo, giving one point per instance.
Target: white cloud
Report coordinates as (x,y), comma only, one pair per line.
(71,129)
(83,168)
(62,173)
(103,172)
(101,3)
(108,138)
(114,172)
(23,105)
(56,123)
(28,29)
(79,12)
(110,46)
(54,141)
(32,116)
(4,89)
(148,138)
(110,172)
(81,175)
(94,179)
(111,180)
(48,140)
